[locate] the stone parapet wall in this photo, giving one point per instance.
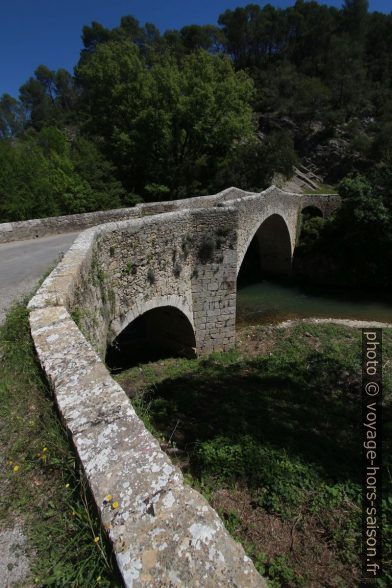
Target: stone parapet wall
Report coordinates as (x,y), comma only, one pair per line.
(43,227)
(163,532)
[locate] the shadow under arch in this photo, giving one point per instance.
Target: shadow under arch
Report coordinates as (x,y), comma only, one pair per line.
(312,211)
(155,334)
(269,252)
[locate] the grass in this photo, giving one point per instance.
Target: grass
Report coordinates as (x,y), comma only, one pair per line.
(270,434)
(41,480)
(321,189)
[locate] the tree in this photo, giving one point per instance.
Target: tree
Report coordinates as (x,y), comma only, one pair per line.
(49,97)
(11,117)
(355,246)
(195,37)
(168,124)
(355,17)
(93,35)
(42,176)
(347,76)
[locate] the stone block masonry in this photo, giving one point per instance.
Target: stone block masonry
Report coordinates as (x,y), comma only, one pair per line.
(43,227)
(184,256)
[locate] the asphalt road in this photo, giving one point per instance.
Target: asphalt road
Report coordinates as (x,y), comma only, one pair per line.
(23,263)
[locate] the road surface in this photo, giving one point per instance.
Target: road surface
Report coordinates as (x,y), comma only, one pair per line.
(23,263)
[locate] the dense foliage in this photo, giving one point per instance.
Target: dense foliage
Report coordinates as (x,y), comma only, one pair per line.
(355,247)
(152,116)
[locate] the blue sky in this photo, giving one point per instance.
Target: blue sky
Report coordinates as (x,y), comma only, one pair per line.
(48,31)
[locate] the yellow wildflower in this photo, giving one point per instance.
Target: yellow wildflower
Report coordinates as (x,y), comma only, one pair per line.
(96,539)
(67,485)
(16,468)
(115,504)
(108,497)
(45,449)
(99,579)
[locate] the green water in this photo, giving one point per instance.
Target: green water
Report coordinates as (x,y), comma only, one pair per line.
(270,302)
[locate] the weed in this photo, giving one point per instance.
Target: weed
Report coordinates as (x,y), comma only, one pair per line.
(48,490)
(112,299)
(177,270)
(129,268)
(151,276)
(76,315)
(223,231)
(207,249)
(186,246)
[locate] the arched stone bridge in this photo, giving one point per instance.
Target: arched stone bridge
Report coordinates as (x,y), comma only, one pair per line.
(182,255)
(170,270)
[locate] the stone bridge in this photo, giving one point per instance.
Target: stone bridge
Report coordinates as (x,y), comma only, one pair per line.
(166,276)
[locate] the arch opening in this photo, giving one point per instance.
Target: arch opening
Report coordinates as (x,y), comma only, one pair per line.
(159,333)
(268,254)
(311,211)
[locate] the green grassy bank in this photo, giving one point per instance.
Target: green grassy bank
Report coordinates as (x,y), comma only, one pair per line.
(270,434)
(42,488)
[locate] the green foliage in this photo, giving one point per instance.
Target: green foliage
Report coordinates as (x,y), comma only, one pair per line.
(49,97)
(206,250)
(310,231)
(43,175)
(48,492)
(184,119)
(92,166)
(11,117)
(130,268)
(356,244)
(159,117)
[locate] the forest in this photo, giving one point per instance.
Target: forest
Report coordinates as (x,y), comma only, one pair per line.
(148,116)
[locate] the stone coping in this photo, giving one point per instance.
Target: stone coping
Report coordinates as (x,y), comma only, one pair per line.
(42,227)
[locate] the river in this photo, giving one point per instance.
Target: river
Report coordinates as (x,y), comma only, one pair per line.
(271,302)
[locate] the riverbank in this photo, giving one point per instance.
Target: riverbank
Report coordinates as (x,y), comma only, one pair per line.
(354,324)
(270,434)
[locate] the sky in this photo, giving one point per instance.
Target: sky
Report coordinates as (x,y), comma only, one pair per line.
(49,31)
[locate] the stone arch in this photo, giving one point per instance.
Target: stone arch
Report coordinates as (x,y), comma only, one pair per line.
(311,210)
(273,244)
(161,330)
(141,306)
